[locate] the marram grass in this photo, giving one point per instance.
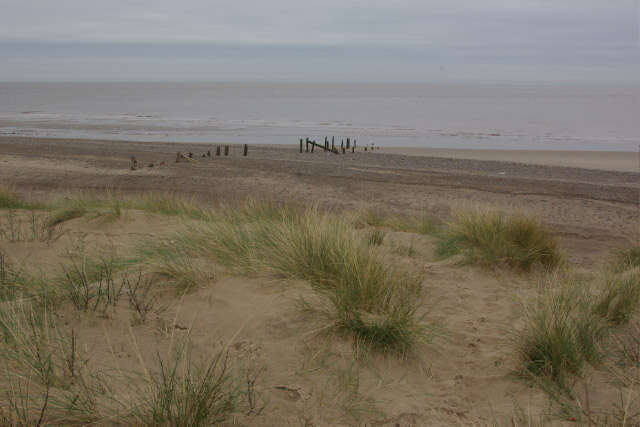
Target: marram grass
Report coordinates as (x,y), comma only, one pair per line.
(494,239)
(620,298)
(374,303)
(625,259)
(561,333)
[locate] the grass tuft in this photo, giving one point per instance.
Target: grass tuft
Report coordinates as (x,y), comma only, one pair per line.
(17,284)
(9,199)
(375,237)
(371,218)
(178,263)
(493,239)
(561,333)
(625,259)
(184,394)
(620,298)
(65,214)
(374,303)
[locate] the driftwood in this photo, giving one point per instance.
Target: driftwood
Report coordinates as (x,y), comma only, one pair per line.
(181,157)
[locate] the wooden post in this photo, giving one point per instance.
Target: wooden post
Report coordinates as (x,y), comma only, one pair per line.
(133,164)
(343,150)
(246,150)
(348,143)
(333,141)
(301,145)
(365,148)
(353,148)
(226,150)
(218,151)
(208,153)
(326,143)
(354,143)
(313,145)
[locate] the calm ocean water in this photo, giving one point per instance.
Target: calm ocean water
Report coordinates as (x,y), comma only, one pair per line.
(411,115)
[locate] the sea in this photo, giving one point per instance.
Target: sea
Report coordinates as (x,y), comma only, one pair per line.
(464,116)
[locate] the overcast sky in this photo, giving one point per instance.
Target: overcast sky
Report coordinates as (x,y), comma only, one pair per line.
(321,40)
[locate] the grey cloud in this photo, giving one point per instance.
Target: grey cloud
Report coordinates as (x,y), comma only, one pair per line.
(390,39)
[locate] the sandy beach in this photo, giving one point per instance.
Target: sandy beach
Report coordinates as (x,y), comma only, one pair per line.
(581,204)
(464,376)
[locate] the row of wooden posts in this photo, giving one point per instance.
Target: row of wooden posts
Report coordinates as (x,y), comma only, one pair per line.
(331,146)
(189,156)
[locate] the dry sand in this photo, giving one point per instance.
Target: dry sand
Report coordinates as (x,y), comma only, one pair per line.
(607,160)
(464,378)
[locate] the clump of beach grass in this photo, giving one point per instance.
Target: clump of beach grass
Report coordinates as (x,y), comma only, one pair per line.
(110,205)
(15,283)
(561,332)
(66,213)
(375,237)
(374,303)
(182,393)
(45,379)
(627,258)
(26,226)
(49,380)
(493,239)
(9,199)
(177,262)
(620,298)
(372,217)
